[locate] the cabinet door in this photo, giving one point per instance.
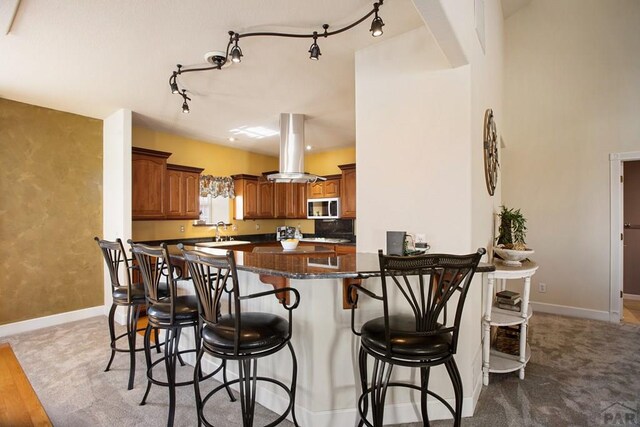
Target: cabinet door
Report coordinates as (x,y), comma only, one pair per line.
(265,199)
(148,186)
(316,190)
(251,199)
(300,204)
(332,188)
(192,195)
(281,199)
(175,194)
(348,200)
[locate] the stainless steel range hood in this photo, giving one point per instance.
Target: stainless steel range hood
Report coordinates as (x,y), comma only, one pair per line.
(292,151)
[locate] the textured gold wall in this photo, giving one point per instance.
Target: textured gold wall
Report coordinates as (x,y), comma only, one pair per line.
(50,209)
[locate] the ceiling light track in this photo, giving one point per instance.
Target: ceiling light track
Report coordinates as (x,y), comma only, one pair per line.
(234,52)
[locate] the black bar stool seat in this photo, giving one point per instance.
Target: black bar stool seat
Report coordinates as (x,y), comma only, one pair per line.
(259,332)
(185,309)
(406,342)
(121,294)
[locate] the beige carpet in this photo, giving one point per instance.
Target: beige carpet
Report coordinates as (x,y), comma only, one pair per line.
(580,372)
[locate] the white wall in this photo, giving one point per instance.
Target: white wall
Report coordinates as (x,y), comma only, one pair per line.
(116,184)
(572,85)
(419,144)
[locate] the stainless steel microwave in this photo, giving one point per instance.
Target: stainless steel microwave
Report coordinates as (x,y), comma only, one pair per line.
(323,208)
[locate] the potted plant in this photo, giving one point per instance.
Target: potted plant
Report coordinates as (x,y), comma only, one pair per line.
(511,246)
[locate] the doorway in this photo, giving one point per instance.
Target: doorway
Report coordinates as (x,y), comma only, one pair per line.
(631,246)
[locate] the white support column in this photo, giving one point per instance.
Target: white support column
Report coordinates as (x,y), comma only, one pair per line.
(116,183)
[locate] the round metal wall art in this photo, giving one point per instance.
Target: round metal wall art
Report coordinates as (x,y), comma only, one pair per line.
(490,144)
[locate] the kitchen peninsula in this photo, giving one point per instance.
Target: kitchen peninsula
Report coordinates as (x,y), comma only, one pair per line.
(325,346)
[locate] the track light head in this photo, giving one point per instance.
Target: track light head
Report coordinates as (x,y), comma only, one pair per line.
(185,107)
(174,87)
(236,54)
(376,26)
(377,23)
(314,50)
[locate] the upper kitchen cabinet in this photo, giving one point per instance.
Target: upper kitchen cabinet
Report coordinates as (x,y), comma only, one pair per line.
(148,175)
(324,189)
(183,192)
(265,198)
(290,200)
(348,184)
(246,202)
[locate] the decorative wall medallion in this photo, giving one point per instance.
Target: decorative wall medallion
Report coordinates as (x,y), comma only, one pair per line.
(490,142)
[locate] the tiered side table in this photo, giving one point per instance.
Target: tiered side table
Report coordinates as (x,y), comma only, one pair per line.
(493,360)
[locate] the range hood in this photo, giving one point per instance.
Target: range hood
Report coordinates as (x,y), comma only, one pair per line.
(292,151)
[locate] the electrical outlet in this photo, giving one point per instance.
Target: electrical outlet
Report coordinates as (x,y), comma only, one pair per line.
(542,287)
(257,226)
(182,228)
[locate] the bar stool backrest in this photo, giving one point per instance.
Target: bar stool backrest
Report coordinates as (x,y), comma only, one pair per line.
(154,264)
(426,283)
(115,256)
(210,274)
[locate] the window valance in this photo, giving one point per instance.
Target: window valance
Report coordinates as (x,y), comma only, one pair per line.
(217,186)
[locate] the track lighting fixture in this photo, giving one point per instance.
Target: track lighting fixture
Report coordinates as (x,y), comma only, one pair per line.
(234,53)
(314,50)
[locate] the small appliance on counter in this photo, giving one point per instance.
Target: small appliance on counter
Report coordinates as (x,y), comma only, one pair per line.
(284,232)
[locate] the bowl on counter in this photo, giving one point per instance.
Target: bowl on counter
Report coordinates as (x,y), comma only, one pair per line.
(289,244)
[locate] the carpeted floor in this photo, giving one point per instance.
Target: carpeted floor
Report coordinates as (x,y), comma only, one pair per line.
(581,373)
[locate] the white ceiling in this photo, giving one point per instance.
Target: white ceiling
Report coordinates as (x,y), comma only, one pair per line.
(93,57)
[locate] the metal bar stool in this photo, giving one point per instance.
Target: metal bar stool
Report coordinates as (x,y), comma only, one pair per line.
(238,335)
(169,312)
(417,340)
(129,295)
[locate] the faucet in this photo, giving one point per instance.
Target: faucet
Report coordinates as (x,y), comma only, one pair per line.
(218,224)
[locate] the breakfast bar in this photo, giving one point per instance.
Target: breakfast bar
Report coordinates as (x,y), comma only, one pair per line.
(326,348)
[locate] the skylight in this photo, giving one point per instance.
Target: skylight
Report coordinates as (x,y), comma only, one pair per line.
(257,132)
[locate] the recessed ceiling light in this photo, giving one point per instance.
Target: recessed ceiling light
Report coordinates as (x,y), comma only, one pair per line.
(308,147)
(231,139)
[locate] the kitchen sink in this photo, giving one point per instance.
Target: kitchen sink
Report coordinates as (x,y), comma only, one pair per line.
(222,243)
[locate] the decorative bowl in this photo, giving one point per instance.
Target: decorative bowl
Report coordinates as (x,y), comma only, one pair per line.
(289,244)
(512,257)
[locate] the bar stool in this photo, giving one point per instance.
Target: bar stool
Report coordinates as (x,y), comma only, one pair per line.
(417,340)
(170,313)
(238,335)
(129,295)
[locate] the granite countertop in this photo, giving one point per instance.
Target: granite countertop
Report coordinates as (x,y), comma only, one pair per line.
(300,249)
(253,238)
(308,266)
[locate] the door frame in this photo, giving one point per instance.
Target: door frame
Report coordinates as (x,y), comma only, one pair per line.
(616,260)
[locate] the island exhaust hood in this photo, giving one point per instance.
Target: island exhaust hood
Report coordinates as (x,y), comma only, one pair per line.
(292,151)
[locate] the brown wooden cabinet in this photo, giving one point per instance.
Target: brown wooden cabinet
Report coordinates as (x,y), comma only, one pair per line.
(265,198)
(183,192)
(298,206)
(324,189)
(348,191)
(148,175)
(245,204)
(290,200)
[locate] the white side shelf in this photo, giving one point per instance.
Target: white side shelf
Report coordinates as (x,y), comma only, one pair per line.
(493,360)
(502,317)
(502,362)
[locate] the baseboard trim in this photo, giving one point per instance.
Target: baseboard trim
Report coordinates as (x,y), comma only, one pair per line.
(565,310)
(53,320)
(632,297)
